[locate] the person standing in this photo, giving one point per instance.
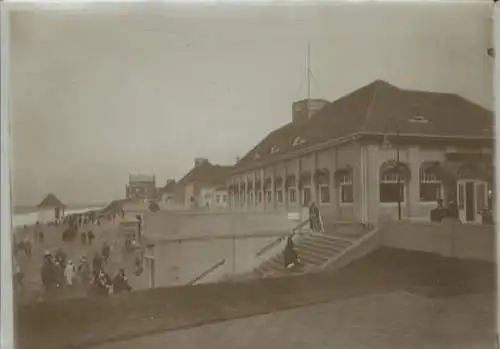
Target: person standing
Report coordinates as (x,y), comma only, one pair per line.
(90,237)
(27,247)
(69,272)
(314,219)
(106,250)
(97,263)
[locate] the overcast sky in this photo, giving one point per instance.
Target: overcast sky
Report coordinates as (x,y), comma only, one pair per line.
(146,90)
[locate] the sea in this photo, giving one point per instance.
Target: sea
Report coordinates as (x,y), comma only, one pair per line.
(24,215)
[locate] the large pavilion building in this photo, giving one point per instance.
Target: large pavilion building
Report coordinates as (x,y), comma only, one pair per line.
(365,154)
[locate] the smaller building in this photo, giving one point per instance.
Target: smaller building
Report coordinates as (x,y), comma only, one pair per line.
(50,209)
(141,187)
(167,194)
(204,187)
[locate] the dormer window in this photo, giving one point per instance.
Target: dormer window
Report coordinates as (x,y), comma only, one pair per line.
(418,119)
(298,141)
(274,149)
(257,157)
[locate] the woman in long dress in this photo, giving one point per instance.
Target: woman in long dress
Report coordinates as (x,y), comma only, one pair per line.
(69,272)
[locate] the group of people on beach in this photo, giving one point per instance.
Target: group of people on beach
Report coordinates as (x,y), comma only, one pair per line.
(58,271)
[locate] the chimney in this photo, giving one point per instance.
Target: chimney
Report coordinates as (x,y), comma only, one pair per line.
(200,161)
(303,111)
(170,181)
(238,159)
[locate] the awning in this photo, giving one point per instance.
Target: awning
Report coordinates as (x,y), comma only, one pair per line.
(278,182)
(290,181)
(322,176)
(267,183)
(305,179)
(342,172)
(397,167)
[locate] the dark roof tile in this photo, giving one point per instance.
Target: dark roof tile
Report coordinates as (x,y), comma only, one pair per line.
(377,108)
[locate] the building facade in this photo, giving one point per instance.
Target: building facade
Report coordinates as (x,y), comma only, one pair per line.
(141,187)
(372,153)
(204,186)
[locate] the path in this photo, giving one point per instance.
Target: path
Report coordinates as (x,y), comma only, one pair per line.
(380,321)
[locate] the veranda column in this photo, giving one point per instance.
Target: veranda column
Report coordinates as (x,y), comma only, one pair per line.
(314,192)
(262,180)
(247,197)
(273,187)
(298,186)
(285,191)
(254,190)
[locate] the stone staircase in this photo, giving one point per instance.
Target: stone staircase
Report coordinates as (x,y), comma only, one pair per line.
(316,250)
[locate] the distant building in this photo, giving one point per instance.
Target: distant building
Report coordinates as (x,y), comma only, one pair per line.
(50,209)
(141,187)
(167,194)
(342,155)
(203,186)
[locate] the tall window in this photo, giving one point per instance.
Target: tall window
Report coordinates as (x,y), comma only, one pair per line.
(322,178)
(389,188)
(292,195)
(346,187)
(259,196)
(306,195)
(430,185)
(279,195)
(269,195)
(305,182)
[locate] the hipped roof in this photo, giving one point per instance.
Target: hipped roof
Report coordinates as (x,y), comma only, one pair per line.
(51,201)
(376,109)
(207,174)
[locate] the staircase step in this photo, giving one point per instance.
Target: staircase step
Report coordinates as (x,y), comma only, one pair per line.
(319,248)
(311,257)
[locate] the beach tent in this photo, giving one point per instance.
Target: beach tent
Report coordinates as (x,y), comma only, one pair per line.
(50,209)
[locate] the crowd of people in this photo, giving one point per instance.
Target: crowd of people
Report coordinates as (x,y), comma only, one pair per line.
(58,271)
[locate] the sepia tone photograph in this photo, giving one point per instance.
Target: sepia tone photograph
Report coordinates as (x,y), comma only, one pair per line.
(238,175)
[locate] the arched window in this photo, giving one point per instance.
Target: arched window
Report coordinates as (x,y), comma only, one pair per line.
(393,178)
(430,183)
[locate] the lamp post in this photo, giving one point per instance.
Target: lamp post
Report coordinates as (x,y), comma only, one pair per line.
(387,145)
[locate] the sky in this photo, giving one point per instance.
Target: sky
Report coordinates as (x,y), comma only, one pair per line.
(98,93)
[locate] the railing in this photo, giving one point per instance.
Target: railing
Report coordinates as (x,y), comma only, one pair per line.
(206,272)
(280,239)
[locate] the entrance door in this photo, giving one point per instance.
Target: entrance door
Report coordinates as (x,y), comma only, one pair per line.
(472,196)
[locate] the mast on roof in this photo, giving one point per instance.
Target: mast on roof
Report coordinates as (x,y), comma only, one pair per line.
(308,62)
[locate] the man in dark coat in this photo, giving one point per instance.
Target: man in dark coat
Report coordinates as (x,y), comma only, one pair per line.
(106,250)
(314,220)
(290,257)
(97,263)
(120,283)
(90,236)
